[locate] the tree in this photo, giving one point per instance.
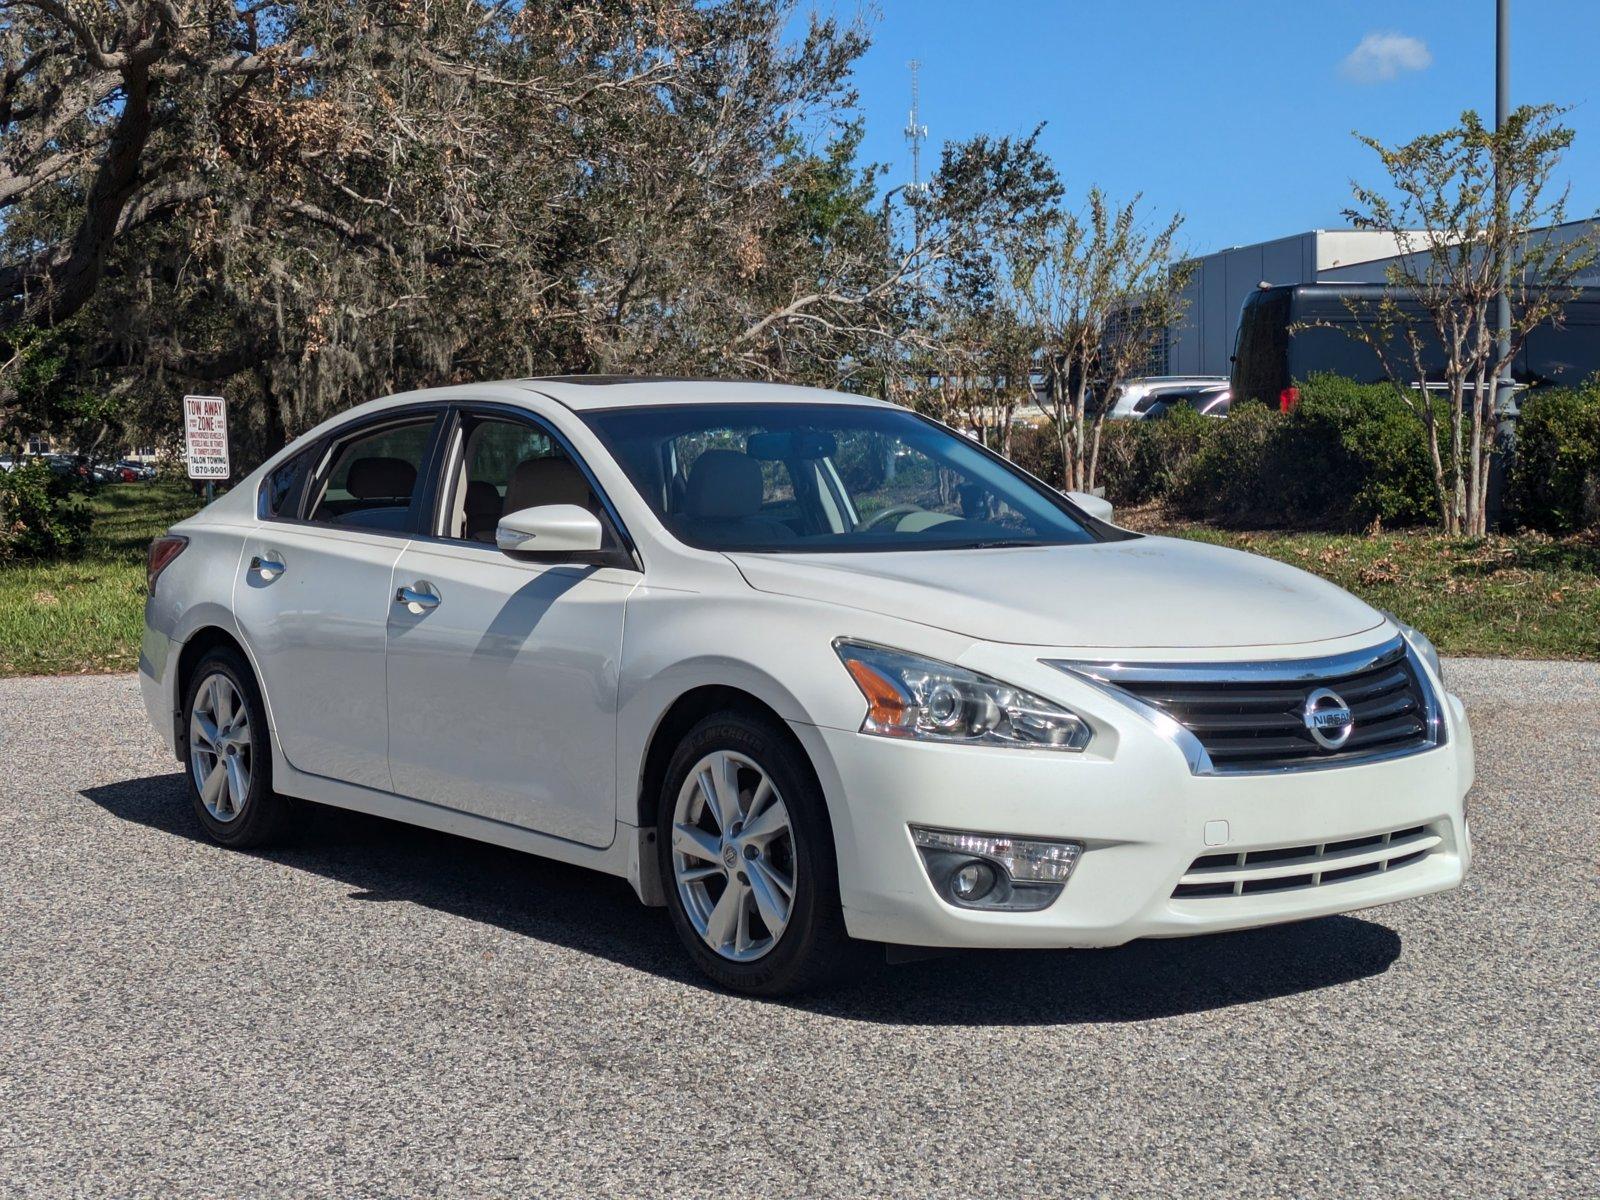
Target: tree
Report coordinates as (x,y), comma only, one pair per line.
(1455,231)
(967,347)
(1101,290)
(304,204)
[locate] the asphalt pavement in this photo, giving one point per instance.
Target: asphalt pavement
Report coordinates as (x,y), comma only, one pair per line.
(380,1011)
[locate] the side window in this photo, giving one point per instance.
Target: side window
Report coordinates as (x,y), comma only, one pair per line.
(511,465)
(280,493)
(372,477)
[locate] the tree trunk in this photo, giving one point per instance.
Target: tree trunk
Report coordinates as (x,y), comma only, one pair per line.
(1093,473)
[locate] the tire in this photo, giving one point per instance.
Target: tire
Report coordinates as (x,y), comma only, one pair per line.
(812,947)
(240,817)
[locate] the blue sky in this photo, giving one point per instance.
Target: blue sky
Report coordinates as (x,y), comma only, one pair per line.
(1238,114)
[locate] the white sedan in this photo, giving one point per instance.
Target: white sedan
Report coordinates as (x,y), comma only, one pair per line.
(809,669)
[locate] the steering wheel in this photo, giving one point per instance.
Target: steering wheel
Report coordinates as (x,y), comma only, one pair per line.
(896,511)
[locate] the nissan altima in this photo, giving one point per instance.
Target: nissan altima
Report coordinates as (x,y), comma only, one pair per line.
(809,669)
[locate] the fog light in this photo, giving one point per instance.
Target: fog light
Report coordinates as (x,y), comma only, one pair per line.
(980,870)
(1023,858)
(972,882)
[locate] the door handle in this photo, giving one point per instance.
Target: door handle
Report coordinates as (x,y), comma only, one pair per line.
(267,568)
(418,599)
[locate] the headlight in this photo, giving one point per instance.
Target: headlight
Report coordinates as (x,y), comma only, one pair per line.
(913,697)
(1419,642)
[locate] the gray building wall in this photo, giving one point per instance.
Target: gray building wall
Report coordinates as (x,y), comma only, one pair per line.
(1202,342)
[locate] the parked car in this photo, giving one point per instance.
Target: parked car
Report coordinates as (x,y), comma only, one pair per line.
(1213,401)
(1287,334)
(809,669)
(1134,398)
(136,470)
(72,465)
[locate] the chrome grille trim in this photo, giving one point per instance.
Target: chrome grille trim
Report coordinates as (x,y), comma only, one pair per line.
(1111,678)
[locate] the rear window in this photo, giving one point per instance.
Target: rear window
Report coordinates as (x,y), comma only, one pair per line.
(374,477)
(1261,348)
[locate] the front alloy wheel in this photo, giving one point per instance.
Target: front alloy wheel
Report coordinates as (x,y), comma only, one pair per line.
(733,856)
(746,856)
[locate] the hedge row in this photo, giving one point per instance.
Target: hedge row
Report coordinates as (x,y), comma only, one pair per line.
(1555,478)
(1349,455)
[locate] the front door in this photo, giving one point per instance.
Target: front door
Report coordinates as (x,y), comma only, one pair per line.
(502,674)
(314,594)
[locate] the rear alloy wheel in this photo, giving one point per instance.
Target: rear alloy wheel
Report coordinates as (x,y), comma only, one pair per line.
(220,748)
(746,853)
(228,753)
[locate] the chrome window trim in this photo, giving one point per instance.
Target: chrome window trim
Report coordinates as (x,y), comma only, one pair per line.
(1105,676)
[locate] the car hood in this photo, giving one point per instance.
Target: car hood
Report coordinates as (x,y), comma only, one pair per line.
(1142,592)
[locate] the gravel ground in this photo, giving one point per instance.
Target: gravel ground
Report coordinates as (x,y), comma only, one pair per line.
(384,1012)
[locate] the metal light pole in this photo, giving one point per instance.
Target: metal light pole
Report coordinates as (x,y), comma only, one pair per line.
(1505,396)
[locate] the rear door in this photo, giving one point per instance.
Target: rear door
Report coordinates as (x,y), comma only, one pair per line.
(502,674)
(316,586)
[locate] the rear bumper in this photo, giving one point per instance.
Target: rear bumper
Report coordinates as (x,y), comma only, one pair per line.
(157,658)
(1143,819)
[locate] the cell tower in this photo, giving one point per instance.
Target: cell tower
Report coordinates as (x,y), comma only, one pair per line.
(915,131)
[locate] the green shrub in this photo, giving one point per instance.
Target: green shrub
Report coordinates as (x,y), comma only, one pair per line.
(1141,461)
(1035,450)
(1235,479)
(1356,453)
(1350,454)
(40,516)
(1555,478)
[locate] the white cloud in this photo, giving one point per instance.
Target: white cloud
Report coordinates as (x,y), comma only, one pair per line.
(1382,56)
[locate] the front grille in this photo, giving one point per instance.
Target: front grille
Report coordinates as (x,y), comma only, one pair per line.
(1254,724)
(1292,868)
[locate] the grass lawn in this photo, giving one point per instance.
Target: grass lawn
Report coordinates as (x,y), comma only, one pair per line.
(1518,597)
(1523,596)
(63,617)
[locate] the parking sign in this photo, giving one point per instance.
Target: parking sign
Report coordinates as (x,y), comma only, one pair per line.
(205,436)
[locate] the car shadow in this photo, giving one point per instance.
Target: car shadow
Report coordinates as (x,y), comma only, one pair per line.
(386,861)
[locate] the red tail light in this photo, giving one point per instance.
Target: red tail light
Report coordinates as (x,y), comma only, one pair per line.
(1288,399)
(162,551)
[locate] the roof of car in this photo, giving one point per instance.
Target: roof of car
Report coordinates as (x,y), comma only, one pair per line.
(586,392)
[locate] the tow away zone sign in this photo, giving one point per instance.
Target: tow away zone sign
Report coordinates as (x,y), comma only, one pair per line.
(205,436)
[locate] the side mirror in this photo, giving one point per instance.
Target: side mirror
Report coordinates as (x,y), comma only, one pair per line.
(1096,506)
(550,530)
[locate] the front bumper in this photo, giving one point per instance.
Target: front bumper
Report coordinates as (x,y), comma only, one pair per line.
(1143,818)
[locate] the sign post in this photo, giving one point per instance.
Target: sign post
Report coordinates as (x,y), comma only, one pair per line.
(205,439)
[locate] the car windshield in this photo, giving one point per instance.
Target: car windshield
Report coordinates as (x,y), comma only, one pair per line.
(829,477)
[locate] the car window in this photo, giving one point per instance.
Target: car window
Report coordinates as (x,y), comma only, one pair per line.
(815,477)
(280,493)
(373,477)
(506,466)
